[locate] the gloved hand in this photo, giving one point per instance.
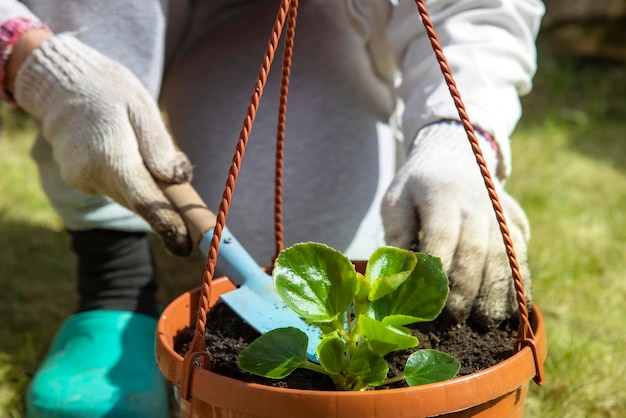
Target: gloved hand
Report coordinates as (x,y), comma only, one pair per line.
(438,204)
(106,131)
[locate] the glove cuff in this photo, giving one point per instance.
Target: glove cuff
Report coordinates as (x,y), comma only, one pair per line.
(59,63)
(10,32)
(453,133)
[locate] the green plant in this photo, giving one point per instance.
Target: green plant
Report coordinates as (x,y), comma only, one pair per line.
(362,317)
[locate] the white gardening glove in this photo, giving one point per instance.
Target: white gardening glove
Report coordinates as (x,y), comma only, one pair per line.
(106,131)
(438,204)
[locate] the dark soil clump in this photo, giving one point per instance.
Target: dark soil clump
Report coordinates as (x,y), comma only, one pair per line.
(227,335)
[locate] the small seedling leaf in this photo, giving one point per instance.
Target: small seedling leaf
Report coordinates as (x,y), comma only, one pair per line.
(385,339)
(388,268)
(422,295)
(430,366)
(371,367)
(275,354)
(363,288)
(399,320)
(331,352)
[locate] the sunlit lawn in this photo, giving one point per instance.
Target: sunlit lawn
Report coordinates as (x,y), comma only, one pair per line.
(569,174)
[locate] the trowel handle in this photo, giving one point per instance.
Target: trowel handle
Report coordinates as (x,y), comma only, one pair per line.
(198,218)
(233,260)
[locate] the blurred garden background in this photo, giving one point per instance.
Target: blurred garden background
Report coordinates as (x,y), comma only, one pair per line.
(569,174)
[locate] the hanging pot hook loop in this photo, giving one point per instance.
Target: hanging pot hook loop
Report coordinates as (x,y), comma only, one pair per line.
(192,360)
(539,369)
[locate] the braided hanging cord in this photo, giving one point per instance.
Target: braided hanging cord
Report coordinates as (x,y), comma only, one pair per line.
(280,132)
(198,343)
(289,7)
(456,96)
(525,335)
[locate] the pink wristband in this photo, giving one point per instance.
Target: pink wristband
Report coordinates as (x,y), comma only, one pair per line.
(490,139)
(10,31)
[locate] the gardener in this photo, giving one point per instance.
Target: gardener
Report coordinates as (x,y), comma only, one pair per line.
(366,96)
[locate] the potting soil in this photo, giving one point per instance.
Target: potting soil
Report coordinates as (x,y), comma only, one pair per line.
(227,335)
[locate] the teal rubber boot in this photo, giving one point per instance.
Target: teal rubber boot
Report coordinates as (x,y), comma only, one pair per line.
(101,364)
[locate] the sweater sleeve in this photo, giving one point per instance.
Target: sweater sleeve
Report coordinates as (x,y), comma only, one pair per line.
(490,48)
(129,32)
(10,9)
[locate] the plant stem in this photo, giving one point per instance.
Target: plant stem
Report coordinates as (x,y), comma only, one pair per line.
(315,367)
(342,332)
(358,384)
(391,380)
(350,342)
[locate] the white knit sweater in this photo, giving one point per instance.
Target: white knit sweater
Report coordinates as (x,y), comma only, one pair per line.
(363,69)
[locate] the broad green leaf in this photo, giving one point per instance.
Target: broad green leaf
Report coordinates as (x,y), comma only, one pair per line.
(430,366)
(315,281)
(422,295)
(331,352)
(371,367)
(385,339)
(275,354)
(388,268)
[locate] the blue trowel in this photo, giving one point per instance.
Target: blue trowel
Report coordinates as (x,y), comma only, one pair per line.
(255,300)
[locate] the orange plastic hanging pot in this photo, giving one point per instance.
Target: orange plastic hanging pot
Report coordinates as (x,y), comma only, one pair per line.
(498,391)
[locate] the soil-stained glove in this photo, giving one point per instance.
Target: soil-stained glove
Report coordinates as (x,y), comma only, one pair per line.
(438,204)
(105,130)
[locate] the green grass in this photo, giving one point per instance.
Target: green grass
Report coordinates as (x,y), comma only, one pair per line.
(569,174)
(35,265)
